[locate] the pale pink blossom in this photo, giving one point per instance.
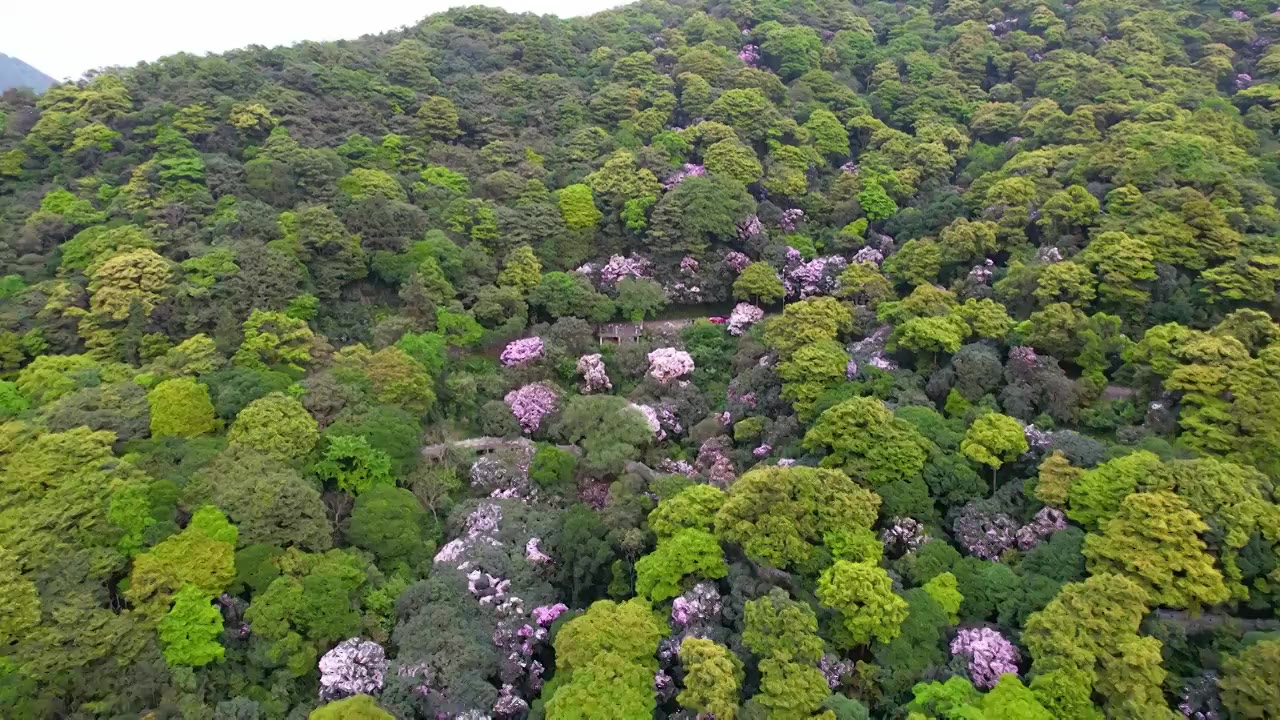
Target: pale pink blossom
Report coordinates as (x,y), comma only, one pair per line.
(750,228)
(667,364)
(687,171)
(594,376)
(620,266)
(651,418)
(533,553)
(990,655)
(749,54)
(743,316)
(791,219)
(544,615)
(737,261)
(522,351)
(531,404)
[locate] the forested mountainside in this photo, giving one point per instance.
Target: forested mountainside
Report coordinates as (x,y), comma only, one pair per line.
(15,73)
(322,392)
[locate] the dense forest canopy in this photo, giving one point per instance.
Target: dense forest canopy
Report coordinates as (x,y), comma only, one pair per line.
(748,359)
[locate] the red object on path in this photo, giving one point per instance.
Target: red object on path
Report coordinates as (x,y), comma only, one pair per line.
(717,320)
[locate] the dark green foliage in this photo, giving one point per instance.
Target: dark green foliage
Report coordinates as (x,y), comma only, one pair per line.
(1015,260)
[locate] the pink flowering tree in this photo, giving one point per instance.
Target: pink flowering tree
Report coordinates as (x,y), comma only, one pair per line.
(352,667)
(667,364)
(990,655)
(651,417)
(594,376)
(737,261)
(743,316)
(531,404)
(621,266)
(687,171)
(522,351)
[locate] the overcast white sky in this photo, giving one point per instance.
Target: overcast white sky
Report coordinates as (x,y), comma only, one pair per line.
(65,38)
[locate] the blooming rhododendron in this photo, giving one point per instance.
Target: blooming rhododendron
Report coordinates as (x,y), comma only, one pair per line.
(983,533)
(743,315)
(749,54)
(1045,523)
(352,667)
(905,534)
(650,417)
(667,364)
(620,266)
(544,615)
(522,351)
(530,404)
(737,261)
(791,219)
(748,229)
(990,655)
(594,376)
(687,171)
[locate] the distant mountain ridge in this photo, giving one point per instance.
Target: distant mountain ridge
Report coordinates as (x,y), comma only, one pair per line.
(16,73)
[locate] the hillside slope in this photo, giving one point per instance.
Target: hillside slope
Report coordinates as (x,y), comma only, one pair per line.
(991,427)
(15,73)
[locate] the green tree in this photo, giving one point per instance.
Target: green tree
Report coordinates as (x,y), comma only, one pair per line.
(749,112)
(639,298)
(789,690)
(353,465)
(759,281)
(994,439)
(268,501)
(553,469)
(1246,682)
(277,426)
(578,208)
(275,341)
(356,707)
(1087,639)
(180,408)
(794,49)
(687,552)
(202,557)
(876,203)
(807,321)
(863,595)
(390,523)
(562,294)
(521,270)
(607,652)
(863,438)
(863,284)
(917,262)
(827,134)
(810,371)
(607,429)
(775,626)
(191,629)
(1154,540)
(139,278)
(1096,496)
(698,212)
(439,118)
(713,675)
(944,591)
(695,507)
(732,159)
(780,515)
